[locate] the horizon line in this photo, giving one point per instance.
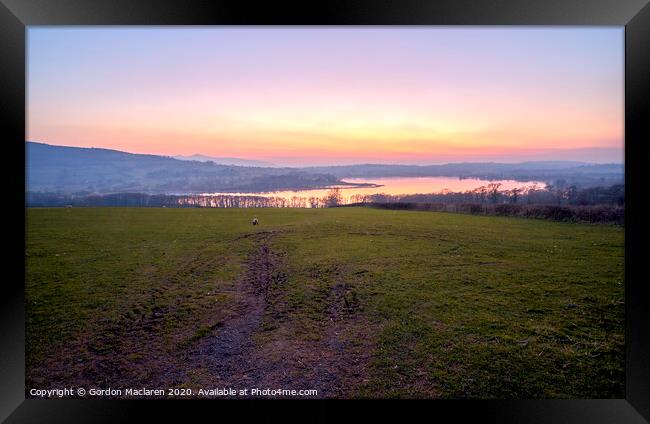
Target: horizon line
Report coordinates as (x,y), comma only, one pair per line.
(271,164)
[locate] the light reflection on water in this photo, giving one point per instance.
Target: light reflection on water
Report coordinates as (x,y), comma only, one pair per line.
(394,186)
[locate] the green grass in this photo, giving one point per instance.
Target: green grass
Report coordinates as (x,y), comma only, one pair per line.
(454,305)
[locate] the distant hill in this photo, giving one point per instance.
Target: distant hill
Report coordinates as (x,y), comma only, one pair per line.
(225,161)
(581,174)
(91,170)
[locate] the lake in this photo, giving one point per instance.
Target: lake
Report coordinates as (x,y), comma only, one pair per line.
(394,186)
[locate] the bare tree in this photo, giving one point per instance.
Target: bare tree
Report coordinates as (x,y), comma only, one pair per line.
(333,198)
(493,189)
(515,194)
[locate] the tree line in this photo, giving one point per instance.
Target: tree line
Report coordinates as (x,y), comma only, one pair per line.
(557,194)
(604,213)
(490,194)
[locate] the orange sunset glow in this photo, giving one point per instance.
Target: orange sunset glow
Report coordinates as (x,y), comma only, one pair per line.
(303,96)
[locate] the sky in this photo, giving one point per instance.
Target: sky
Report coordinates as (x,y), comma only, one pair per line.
(331,95)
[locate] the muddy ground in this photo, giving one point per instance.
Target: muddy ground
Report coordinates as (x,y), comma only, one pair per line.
(228,353)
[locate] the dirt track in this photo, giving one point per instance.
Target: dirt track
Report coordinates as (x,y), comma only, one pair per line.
(235,360)
(230,354)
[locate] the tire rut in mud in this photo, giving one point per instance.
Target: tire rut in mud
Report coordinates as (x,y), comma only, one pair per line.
(229,355)
(335,362)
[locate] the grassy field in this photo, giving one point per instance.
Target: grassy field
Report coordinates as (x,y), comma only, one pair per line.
(355,302)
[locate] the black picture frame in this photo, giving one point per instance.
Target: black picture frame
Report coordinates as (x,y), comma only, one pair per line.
(17,15)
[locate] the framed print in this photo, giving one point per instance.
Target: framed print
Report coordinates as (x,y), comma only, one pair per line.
(334,203)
